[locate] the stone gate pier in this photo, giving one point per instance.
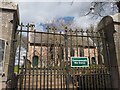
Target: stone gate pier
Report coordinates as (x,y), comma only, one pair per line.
(116,19)
(9,20)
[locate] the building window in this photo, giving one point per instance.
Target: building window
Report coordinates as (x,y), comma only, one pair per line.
(51,52)
(99,59)
(72,52)
(2,47)
(81,52)
(35,60)
(93,60)
(61,54)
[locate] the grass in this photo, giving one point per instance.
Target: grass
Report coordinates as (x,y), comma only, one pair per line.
(15,68)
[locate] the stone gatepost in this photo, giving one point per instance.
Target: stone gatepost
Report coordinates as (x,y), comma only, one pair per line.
(116,19)
(106,28)
(9,20)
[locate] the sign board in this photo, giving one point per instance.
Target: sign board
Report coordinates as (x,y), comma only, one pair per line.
(79,62)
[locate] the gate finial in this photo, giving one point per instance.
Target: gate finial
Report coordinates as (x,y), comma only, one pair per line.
(32,25)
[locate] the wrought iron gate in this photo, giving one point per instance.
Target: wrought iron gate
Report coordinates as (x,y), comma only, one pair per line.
(44,59)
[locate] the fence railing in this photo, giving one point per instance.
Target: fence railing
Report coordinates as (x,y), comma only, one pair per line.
(48,55)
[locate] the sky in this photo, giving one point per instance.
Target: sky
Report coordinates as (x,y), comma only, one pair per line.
(42,12)
(45,12)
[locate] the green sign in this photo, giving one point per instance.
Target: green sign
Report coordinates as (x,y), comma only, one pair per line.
(79,62)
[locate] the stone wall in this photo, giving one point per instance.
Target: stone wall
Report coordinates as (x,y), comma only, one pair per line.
(9,20)
(106,25)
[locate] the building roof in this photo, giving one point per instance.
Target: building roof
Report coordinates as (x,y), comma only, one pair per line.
(57,39)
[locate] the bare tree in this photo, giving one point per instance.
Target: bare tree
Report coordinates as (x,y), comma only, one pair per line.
(118,5)
(98,9)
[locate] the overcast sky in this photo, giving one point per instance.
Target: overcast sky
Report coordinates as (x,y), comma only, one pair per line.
(44,12)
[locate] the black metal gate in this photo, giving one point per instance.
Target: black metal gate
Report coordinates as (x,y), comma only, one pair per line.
(44,59)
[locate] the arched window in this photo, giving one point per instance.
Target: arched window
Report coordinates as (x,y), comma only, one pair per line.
(35,60)
(93,60)
(51,51)
(99,59)
(81,52)
(61,53)
(72,52)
